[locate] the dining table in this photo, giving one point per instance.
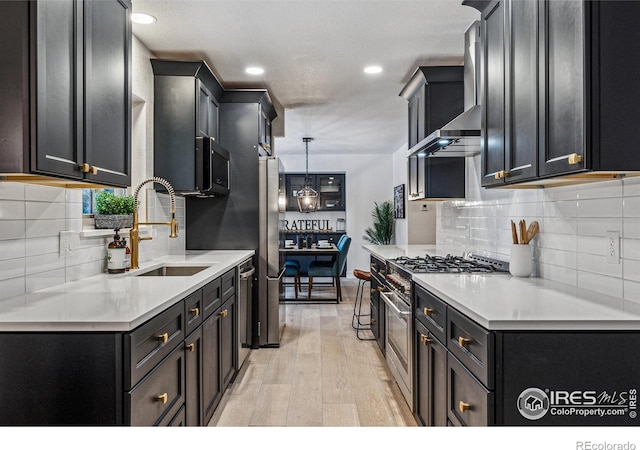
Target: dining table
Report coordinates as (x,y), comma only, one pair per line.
(315,250)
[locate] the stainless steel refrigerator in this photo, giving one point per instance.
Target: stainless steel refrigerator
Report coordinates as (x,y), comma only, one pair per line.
(271,312)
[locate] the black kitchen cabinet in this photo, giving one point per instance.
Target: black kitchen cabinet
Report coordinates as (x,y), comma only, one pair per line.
(481,377)
(151,376)
(559,91)
(255,108)
(331,189)
(435,96)
(186,108)
(66,90)
(378,308)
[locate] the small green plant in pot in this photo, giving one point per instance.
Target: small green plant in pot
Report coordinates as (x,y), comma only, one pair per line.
(113,211)
(382,231)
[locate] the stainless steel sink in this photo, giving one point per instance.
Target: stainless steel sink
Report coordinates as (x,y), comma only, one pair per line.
(173,271)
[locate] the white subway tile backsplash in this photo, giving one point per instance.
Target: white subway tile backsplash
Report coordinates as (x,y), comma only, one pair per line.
(600,283)
(558,273)
(76,271)
(604,189)
(631,228)
(561,258)
(12,229)
(12,210)
(45,210)
(38,193)
(43,263)
(631,207)
(594,245)
(600,207)
(631,270)
(631,291)
(558,241)
(560,225)
(45,227)
(564,208)
(73,195)
(12,249)
(11,191)
(631,186)
(43,280)
(630,248)
(12,268)
(42,245)
(598,264)
(11,287)
(599,226)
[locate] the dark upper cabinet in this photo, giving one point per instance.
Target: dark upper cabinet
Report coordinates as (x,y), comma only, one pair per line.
(435,96)
(330,188)
(249,112)
(559,90)
(66,90)
(186,124)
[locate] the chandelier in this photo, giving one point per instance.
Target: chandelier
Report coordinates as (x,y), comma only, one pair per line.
(307,197)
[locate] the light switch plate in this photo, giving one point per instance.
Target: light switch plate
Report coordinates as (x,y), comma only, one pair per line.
(66,243)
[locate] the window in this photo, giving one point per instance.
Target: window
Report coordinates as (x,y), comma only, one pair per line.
(88,199)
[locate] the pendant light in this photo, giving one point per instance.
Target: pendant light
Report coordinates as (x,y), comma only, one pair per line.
(307,197)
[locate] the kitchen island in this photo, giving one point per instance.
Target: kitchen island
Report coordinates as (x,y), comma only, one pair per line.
(492,349)
(125,349)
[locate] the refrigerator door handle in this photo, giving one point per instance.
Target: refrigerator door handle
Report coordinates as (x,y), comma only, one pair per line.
(248,272)
(278,277)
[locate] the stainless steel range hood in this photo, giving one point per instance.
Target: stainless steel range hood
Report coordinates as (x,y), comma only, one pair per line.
(461,136)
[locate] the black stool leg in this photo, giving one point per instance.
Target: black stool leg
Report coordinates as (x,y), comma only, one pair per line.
(358,295)
(361,326)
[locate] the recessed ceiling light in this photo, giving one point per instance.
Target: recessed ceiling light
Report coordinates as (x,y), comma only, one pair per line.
(372,69)
(142,18)
(254,70)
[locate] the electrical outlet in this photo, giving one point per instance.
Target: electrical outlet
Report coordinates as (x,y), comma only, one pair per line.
(612,247)
(66,243)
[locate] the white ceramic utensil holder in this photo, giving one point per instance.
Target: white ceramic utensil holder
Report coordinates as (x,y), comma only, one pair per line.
(521,263)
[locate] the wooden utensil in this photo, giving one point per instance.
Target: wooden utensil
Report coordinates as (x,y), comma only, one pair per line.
(514,233)
(532,230)
(523,232)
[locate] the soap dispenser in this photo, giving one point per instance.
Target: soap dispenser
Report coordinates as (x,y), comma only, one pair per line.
(116,253)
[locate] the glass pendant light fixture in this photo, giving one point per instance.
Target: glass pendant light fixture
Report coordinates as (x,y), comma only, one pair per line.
(307,197)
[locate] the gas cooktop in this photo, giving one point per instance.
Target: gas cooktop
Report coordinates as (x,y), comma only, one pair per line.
(467,263)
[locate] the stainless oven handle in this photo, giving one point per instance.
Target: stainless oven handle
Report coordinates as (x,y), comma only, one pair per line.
(392,305)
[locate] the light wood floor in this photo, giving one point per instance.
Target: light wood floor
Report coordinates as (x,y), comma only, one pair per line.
(321,375)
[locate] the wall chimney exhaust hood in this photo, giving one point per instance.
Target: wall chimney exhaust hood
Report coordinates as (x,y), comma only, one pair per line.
(460,136)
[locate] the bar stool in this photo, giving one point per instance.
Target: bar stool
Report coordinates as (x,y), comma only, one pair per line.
(292,269)
(363,277)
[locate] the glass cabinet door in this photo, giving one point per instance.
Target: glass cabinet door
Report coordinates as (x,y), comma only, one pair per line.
(331,192)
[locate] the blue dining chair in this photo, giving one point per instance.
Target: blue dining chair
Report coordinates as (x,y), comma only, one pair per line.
(292,269)
(332,268)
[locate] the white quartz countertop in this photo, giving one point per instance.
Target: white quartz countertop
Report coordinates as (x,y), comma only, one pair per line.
(504,302)
(114,302)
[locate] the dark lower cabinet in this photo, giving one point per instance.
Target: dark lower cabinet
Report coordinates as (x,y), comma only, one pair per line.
(193,376)
(150,376)
(431,378)
(481,377)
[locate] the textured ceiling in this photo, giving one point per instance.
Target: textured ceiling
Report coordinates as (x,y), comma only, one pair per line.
(313,53)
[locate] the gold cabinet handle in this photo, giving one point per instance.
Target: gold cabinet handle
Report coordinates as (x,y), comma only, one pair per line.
(574,158)
(462,406)
(164,337)
(162,398)
(380,288)
(373,265)
(223,313)
(463,341)
(382,271)
(501,174)
(191,347)
(373,291)
(424,339)
(88,168)
(427,311)
(373,321)
(195,311)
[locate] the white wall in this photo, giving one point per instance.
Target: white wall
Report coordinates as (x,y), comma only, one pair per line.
(368,181)
(570,247)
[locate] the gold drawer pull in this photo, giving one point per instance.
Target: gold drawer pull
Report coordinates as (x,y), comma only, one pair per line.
(373,321)
(382,271)
(87,168)
(427,311)
(501,174)
(373,265)
(462,406)
(195,311)
(380,288)
(164,337)
(191,347)
(373,291)
(574,158)
(463,341)
(425,339)
(162,398)
(223,313)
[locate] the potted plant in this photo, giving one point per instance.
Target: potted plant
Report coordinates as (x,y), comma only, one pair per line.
(113,211)
(382,230)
